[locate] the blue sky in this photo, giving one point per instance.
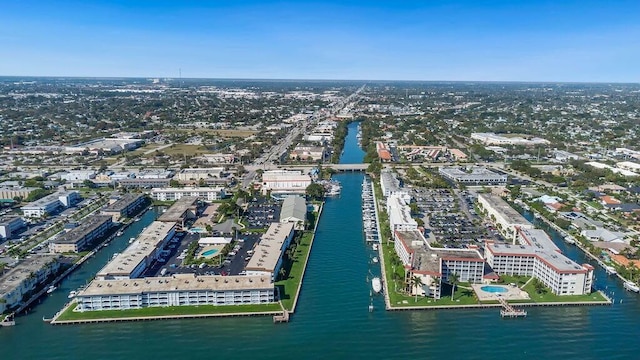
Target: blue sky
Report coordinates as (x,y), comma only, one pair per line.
(561,40)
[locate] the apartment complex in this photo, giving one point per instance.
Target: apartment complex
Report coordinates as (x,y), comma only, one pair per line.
(51,204)
(400,214)
(435,265)
(506,218)
(203,193)
(136,258)
(177,290)
(125,206)
(9,226)
(473,175)
(285,181)
(267,258)
(25,278)
(79,238)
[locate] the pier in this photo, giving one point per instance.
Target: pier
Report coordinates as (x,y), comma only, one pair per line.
(510,311)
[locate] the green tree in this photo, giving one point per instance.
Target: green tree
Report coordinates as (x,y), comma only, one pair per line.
(415,282)
(453,280)
(315,191)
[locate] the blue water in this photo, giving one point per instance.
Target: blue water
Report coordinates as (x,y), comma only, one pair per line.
(332,320)
(210,252)
(494,289)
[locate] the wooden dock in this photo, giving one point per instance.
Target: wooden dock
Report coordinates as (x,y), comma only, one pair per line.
(510,311)
(281,318)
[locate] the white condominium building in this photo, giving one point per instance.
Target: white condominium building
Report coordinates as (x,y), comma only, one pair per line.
(177,290)
(400,214)
(436,265)
(506,218)
(267,257)
(140,254)
(536,255)
(203,193)
(284,181)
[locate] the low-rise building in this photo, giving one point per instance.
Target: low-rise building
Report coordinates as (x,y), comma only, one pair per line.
(10,225)
(195,175)
(177,290)
(125,206)
(436,265)
(391,185)
(285,181)
(144,183)
(24,278)
(203,193)
(9,193)
(80,238)
(536,255)
(304,153)
(267,257)
(473,175)
(506,218)
(400,214)
(182,210)
(51,204)
(136,258)
(294,210)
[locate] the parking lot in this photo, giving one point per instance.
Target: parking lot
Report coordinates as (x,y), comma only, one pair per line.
(450,217)
(232,264)
(260,214)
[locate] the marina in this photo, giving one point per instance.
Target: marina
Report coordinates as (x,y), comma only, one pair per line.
(369,213)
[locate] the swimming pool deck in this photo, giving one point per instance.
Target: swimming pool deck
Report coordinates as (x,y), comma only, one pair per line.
(511,293)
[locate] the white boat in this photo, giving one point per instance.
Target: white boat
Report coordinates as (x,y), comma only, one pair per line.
(72,294)
(375,247)
(51,289)
(569,239)
(631,286)
(610,270)
(131,240)
(376,284)
(375,259)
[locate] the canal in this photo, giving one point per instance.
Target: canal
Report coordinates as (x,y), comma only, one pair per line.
(332,319)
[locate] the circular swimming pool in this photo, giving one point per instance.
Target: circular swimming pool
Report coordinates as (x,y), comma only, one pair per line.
(210,252)
(494,289)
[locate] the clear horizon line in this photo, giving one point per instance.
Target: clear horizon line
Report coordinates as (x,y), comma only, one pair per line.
(314,79)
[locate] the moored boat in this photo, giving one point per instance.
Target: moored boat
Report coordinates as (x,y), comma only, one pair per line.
(51,289)
(376,284)
(631,286)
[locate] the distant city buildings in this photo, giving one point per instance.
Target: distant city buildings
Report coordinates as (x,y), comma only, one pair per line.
(496,139)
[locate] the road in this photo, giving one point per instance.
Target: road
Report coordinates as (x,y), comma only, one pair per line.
(265,161)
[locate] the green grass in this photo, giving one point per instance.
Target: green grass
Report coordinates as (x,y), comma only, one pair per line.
(289,286)
(550,297)
(69,314)
(595,204)
(398,299)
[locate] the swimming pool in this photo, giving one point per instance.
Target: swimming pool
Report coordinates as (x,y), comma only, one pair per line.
(210,252)
(197,230)
(494,289)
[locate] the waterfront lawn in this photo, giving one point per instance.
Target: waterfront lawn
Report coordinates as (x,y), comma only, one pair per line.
(551,297)
(69,314)
(397,299)
(289,286)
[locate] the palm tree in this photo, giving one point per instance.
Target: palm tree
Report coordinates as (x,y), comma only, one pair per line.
(415,282)
(453,280)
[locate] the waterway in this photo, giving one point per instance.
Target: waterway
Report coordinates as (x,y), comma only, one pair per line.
(332,319)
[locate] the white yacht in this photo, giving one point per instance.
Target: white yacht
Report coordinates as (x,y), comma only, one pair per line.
(631,286)
(376,284)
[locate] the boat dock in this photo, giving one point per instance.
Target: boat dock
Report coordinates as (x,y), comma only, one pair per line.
(510,311)
(370,221)
(281,318)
